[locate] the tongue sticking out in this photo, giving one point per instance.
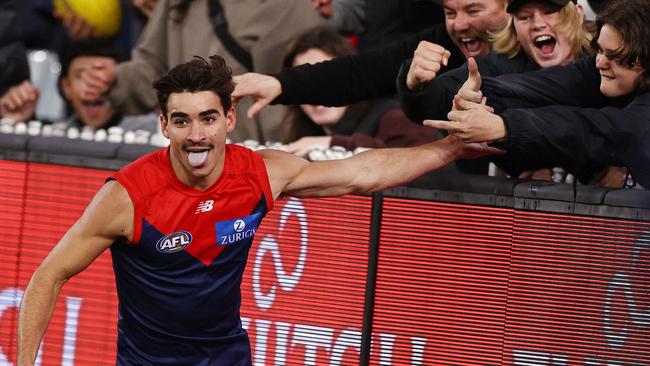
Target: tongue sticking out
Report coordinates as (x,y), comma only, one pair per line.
(197,158)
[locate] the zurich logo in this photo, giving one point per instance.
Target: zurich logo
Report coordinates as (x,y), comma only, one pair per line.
(174,242)
(237,230)
(239,225)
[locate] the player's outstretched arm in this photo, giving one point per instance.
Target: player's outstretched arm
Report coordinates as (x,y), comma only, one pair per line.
(369,171)
(108,217)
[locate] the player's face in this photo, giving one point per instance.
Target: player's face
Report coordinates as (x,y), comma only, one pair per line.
(616,79)
(197,127)
(468,23)
(94,113)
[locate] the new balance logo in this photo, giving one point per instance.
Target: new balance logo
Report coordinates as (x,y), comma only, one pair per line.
(204,206)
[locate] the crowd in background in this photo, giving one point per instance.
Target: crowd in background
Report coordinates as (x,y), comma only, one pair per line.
(357,74)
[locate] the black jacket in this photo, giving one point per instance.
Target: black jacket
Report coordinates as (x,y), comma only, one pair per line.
(559,117)
(13,56)
(433,101)
(389,21)
(369,75)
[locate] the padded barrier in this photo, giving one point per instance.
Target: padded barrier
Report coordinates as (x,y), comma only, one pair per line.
(451,270)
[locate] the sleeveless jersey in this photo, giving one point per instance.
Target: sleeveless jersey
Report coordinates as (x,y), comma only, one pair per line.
(178,278)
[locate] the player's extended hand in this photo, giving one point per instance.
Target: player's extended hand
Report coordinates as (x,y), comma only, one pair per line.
(474,150)
(428,59)
(263,88)
(97,80)
(19,102)
(302,146)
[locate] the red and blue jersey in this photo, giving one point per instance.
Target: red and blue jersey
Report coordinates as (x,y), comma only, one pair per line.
(178,277)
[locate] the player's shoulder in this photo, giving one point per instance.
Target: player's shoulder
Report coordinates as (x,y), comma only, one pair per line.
(274,155)
(146,174)
(113,193)
(281,163)
(146,163)
(110,212)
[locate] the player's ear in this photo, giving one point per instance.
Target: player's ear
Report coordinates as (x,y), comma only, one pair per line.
(164,124)
(231,119)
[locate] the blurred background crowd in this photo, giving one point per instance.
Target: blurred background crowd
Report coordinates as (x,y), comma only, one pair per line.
(314,74)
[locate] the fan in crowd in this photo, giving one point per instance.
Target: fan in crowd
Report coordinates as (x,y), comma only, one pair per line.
(250,35)
(376,124)
(584,116)
(540,34)
(19,103)
(371,74)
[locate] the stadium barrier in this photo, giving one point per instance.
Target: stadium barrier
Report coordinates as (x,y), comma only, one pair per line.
(452,270)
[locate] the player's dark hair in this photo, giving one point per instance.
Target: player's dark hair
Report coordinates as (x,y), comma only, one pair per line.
(194,76)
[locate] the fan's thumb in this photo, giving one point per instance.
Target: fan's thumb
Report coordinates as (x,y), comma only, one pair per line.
(473,77)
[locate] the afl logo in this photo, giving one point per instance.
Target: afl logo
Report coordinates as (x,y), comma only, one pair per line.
(174,242)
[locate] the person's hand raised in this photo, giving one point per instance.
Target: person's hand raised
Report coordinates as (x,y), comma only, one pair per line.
(98,79)
(469,95)
(19,102)
(427,61)
(76,27)
(263,88)
(471,119)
